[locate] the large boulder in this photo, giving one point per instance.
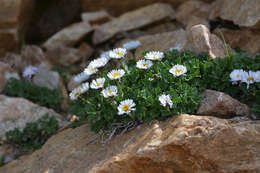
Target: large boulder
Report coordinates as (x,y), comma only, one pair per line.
(186,143)
(16,112)
(133,20)
(6,72)
(15,16)
(248,40)
(244,13)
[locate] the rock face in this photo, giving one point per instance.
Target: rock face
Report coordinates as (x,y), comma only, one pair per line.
(16,112)
(161,42)
(248,40)
(187,144)
(133,20)
(221,105)
(69,36)
(244,13)
(201,40)
(15,16)
(6,72)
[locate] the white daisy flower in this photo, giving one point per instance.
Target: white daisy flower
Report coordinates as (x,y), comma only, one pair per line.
(248,78)
(132,45)
(81,77)
(126,106)
(178,70)
(116,74)
(79,90)
(154,55)
(30,71)
(99,62)
(90,70)
(236,75)
(256,76)
(110,91)
(117,53)
(98,83)
(166,100)
(144,64)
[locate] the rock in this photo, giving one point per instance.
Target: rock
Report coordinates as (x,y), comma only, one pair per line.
(69,36)
(6,72)
(161,42)
(221,105)
(194,20)
(192,8)
(50,17)
(96,18)
(15,16)
(133,20)
(244,13)
(67,56)
(186,143)
(201,40)
(16,112)
(248,40)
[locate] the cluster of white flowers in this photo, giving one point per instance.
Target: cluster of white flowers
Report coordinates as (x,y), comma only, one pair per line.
(239,75)
(128,105)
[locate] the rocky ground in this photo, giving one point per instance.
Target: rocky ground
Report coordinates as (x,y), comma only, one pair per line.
(69,33)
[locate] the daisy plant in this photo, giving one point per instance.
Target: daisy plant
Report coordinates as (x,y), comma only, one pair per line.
(162,85)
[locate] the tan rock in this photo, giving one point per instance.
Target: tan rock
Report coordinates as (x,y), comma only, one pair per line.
(248,40)
(133,20)
(192,8)
(15,16)
(201,40)
(221,105)
(161,42)
(69,36)
(96,18)
(6,72)
(187,144)
(244,13)
(16,112)
(66,56)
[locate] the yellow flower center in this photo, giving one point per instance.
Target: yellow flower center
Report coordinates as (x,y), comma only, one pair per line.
(154,57)
(119,53)
(237,75)
(178,71)
(125,108)
(77,94)
(98,84)
(250,79)
(116,74)
(110,92)
(92,69)
(145,65)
